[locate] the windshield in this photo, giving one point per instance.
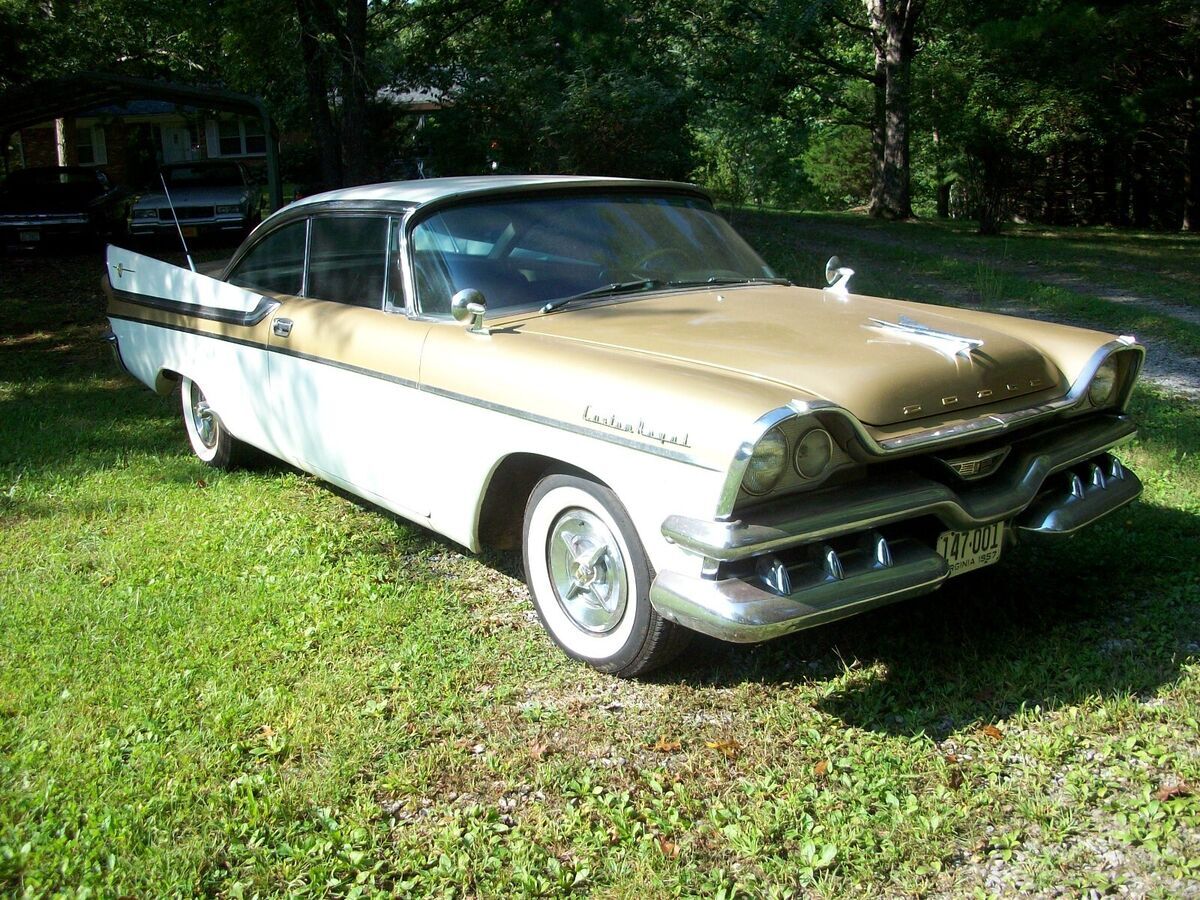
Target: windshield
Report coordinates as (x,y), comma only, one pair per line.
(534,250)
(208,175)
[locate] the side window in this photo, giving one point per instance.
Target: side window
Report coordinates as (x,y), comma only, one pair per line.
(347,259)
(276,263)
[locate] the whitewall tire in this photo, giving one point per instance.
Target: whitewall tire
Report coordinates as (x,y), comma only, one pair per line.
(210,439)
(590,579)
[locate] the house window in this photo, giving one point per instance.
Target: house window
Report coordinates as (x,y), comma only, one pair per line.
(236,137)
(90,146)
(256,141)
(230,138)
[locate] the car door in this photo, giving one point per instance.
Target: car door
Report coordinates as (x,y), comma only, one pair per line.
(345,364)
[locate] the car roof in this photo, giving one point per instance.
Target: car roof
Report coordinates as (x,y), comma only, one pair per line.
(429,190)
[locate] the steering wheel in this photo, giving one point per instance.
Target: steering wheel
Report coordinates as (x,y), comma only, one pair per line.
(660,259)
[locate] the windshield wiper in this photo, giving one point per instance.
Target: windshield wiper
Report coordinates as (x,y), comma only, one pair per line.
(619,287)
(728,280)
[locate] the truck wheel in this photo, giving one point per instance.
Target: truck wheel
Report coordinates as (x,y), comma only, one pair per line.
(210,439)
(590,579)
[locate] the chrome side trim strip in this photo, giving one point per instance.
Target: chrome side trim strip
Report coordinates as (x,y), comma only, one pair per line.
(613,438)
(228,316)
(607,437)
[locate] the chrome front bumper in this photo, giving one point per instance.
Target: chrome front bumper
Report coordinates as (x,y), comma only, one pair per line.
(1057,483)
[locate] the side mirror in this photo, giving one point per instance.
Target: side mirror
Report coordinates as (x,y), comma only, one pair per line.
(837,276)
(468,307)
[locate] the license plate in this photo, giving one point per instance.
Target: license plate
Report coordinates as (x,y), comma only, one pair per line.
(189,231)
(967,550)
(30,235)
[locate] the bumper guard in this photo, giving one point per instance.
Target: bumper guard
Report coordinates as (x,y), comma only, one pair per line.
(1060,483)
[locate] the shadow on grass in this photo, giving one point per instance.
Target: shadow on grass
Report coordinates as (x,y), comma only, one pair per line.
(1114,612)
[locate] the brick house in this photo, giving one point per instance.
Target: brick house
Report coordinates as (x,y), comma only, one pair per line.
(132,139)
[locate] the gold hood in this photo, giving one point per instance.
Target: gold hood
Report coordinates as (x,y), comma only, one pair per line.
(843,348)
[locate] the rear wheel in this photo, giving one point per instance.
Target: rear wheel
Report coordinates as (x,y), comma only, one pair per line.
(590,579)
(207,434)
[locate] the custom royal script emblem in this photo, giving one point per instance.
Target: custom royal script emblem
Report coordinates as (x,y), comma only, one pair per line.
(635,425)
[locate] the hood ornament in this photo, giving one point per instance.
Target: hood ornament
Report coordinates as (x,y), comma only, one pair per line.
(962,346)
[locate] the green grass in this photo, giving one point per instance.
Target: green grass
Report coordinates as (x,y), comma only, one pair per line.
(246,684)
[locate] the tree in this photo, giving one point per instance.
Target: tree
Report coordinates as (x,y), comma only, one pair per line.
(893,25)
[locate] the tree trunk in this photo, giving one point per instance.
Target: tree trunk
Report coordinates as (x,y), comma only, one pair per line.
(1191,155)
(355,143)
(878,132)
(939,176)
(893,25)
(1139,184)
(316,96)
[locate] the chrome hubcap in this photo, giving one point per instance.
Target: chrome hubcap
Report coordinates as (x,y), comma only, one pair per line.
(202,418)
(587,570)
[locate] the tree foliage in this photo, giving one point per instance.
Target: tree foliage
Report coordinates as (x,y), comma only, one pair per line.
(1048,110)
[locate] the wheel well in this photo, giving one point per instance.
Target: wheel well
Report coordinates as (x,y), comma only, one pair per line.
(166,381)
(502,513)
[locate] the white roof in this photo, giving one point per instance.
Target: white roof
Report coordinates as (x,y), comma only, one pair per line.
(429,189)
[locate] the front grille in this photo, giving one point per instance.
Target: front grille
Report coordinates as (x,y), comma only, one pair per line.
(186,212)
(977,465)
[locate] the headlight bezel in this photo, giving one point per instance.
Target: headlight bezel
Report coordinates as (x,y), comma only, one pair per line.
(227,209)
(779,444)
(145,213)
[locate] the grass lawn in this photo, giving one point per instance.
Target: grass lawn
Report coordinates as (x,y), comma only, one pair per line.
(246,684)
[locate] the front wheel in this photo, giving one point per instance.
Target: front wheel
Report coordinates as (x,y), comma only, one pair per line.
(590,579)
(210,439)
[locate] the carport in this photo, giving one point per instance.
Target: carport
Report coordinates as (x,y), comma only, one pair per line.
(55,98)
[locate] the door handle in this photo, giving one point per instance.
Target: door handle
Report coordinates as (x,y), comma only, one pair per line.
(281,327)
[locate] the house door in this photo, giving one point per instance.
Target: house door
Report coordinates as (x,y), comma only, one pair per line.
(177,144)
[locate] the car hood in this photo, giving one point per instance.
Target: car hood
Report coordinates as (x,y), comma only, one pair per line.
(69,199)
(823,344)
(200,195)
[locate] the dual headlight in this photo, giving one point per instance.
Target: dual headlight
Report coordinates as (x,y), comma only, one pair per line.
(228,210)
(812,455)
(1104,383)
(145,214)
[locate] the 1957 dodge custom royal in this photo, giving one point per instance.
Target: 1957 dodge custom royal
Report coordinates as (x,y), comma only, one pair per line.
(602,372)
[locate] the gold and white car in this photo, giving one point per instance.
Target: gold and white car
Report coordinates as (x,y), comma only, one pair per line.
(603,373)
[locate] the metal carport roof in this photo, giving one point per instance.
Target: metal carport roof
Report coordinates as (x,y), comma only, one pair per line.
(54,98)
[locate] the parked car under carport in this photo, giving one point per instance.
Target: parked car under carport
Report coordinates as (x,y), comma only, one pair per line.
(209,198)
(60,203)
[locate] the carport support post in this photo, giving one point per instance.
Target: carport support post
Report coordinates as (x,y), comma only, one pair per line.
(274,187)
